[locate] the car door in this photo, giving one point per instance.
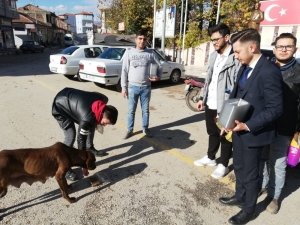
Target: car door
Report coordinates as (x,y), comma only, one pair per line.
(165,65)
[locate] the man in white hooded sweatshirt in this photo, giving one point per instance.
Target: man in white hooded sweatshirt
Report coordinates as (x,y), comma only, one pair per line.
(136,81)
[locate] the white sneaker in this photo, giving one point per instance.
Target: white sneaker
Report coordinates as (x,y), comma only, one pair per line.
(205,161)
(220,172)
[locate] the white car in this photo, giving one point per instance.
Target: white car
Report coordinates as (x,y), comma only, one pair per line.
(268,52)
(67,61)
(106,69)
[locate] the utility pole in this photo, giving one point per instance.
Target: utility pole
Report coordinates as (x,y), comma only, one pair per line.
(218,12)
(184,30)
(180,32)
(164,28)
(154,24)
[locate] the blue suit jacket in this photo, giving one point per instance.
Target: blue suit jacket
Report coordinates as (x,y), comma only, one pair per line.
(263,90)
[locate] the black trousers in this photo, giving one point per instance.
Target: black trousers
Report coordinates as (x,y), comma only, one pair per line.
(215,140)
(246,168)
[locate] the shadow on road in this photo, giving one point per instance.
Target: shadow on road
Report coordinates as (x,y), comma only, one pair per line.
(115,176)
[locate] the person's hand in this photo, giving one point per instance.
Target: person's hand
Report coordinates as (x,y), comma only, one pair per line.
(85,172)
(223,130)
(200,105)
(124,93)
(153,79)
(239,126)
(296,136)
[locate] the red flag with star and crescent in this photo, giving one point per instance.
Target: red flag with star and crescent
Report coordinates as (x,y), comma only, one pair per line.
(280,12)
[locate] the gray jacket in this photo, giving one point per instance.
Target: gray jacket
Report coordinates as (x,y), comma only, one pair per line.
(227,78)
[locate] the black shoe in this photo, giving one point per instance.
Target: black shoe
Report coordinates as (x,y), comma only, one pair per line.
(99,153)
(70,175)
(231,201)
(242,218)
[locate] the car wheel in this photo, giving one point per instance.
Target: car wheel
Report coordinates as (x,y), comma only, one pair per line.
(118,86)
(175,76)
(69,76)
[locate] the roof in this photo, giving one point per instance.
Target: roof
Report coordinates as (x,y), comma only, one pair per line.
(24,18)
(84,13)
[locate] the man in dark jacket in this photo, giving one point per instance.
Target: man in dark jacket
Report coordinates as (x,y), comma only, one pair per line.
(273,160)
(89,111)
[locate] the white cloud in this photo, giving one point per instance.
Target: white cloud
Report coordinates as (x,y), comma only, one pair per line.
(60,9)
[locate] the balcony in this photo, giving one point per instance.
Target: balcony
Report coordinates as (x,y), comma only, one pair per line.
(87,24)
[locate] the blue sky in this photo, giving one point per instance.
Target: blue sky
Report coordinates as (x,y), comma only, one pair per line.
(61,7)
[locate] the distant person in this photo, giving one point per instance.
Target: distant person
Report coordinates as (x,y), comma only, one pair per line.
(259,82)
(220,78)
(89,111)
(256,17)
(136,82)
(274,156)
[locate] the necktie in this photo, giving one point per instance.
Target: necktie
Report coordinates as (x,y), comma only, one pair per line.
(245,75)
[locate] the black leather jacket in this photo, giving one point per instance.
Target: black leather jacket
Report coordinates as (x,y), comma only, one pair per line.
(72,105)
(288,123)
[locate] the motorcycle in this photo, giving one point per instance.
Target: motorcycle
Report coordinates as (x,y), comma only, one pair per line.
(193,90)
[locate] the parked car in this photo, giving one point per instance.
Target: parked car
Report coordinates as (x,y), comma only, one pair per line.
(68,40)
(67,61)
(31,46)
(268,52)
(106,69)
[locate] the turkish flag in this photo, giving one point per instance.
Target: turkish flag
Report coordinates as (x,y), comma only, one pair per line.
(280,12)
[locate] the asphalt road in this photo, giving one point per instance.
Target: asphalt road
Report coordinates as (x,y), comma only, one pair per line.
(148,180)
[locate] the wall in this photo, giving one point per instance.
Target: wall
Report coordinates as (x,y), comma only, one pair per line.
(199,55)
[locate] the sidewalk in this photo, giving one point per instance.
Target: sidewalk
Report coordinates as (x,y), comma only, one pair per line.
(195,71)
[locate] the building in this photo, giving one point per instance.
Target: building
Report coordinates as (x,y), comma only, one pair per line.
(40,25)
(80,23)
(8,12)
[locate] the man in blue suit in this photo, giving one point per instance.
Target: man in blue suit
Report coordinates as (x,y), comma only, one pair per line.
(259,82)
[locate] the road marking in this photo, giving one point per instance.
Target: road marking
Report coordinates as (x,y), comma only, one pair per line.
(165,148)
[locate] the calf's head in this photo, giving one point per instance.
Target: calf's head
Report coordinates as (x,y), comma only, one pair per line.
(90,161)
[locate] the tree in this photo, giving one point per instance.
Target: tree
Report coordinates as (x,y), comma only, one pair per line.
(236,13)
(135,14)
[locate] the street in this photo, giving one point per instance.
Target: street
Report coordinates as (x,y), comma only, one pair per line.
(148,180)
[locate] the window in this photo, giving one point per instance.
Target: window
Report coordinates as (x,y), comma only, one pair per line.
(69,51)
(12,4)
(113,53)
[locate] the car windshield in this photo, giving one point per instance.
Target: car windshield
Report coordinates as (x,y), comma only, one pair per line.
(68,39)
(112,53)
(69,51)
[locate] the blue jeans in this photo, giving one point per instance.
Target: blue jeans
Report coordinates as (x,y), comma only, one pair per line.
(134,94)
(273,164)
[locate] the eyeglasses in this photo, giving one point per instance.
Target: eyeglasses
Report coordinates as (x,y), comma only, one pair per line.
(216,40)
(286,47)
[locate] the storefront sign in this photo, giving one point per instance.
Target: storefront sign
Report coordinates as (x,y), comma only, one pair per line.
(29,26)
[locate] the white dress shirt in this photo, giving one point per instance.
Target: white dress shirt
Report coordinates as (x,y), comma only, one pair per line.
(213,86)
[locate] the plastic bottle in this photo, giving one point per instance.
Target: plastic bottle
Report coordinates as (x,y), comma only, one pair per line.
(294,154)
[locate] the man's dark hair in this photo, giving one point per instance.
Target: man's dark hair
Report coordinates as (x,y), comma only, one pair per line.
(222,28)
(141,33)
(245,36)
(286,35)
(111,113)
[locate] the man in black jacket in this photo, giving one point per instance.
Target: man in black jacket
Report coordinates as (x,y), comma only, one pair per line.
(273,160)
(89,111)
